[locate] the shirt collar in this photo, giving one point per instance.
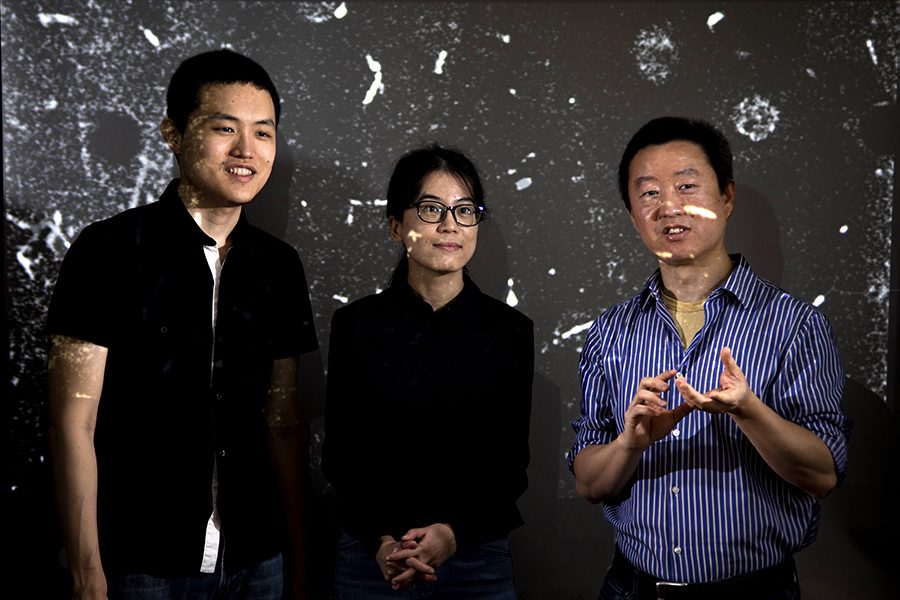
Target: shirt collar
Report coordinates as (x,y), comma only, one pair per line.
(740,284)
(412,300)
(184,226)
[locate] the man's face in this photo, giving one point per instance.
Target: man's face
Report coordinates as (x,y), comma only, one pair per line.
(228,146)
(676,205)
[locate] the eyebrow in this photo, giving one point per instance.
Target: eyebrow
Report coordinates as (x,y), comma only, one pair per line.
(686,171)
(227,117)
(433,197)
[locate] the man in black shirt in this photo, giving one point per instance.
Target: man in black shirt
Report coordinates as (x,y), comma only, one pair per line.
(176,330)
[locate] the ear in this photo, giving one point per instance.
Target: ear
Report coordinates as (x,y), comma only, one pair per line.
(394,229)
(170,134)
(728,198)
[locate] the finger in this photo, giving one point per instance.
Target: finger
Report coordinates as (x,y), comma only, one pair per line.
(400,556)
(420,566)
(403,579)
(666,375)
(647,398)
(730,364)
(688,392)
(656,384)
(681,411)
(413,534)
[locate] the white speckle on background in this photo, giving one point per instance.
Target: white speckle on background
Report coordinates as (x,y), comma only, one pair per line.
(571,100)
(819,300)
(50,18)
(523,183)
(341,299)
(512,91)
(505,38)
(713,19)
(552,271)
(511,298)
(151,38)
(576,330)
(377,86)
(811,73)
(511,171)
(51,104)
(843,229)
(871,46)
(655,54)
(439,63)
(341,11)
(755,117)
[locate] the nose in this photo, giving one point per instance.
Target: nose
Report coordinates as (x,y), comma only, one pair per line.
(243,145)
(448,224)
(670,203)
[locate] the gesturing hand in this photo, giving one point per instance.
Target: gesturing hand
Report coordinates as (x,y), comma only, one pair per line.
(729,397)
(646,418)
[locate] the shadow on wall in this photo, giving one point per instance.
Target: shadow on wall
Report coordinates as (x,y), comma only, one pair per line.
(754,231)
(856,554)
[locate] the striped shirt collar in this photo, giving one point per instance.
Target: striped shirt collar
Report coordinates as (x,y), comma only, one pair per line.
(742,285)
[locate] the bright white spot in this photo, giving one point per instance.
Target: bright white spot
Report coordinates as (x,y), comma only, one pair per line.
(365,163)
(664,254)
(523,183)
(303,203)
(378,202)
(25,261)
(755,117)
(576,330)
(843,229)
(341,11)
(655,54)
(49,18)
(505,38)
(571,100)
(511,298)
(819,300)
(51,104)
(439,63)
(341,299)
(700,211)
(154,41)
(552,271)
(811,73)
(530,155)
(512,91)
(376,86)
(871,46)
(355,202)
(713,19)
(414,236)
(511,171)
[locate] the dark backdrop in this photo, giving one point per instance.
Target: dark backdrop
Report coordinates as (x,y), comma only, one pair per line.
(543,96)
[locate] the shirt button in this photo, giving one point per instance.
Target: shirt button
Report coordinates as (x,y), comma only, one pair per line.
(219,395)
(222,453)
(164,329)
(677,550)
(675,489)
(676,432)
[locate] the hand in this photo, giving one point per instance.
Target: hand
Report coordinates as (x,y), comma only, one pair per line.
(647,419)
(730,397)
(424,549)
(396,570)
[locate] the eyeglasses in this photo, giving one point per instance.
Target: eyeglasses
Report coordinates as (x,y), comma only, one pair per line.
(465,215)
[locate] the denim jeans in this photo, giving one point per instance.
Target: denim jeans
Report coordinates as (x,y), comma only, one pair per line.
(477,572)
(263,581)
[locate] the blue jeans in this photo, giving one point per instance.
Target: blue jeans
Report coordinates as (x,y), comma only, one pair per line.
(478,572)
(263,581)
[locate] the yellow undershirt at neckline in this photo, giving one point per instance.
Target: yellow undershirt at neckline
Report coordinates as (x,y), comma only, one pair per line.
(688,316)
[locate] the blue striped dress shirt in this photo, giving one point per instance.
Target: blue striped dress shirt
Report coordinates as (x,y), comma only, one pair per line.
(702,504)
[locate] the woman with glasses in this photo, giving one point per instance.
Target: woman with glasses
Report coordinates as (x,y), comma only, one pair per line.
(428,405)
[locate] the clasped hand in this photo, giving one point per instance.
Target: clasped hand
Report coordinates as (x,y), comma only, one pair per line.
(416,556)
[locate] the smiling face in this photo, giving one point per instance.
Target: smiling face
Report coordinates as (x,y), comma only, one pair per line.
(227,148)
(676,205)
(436,249)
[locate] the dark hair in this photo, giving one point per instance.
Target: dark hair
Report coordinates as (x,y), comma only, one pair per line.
(408,176)
(217,67)
(670,129)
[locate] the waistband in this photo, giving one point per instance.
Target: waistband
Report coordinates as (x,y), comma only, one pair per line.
(750,586)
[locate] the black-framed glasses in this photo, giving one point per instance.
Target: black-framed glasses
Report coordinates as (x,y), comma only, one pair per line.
(465,215)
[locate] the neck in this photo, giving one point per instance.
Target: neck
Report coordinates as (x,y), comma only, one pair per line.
(694,282)
(437,289)
(216,222)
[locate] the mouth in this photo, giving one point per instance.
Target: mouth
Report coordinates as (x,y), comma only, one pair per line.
(239,171)
(675,233)
(448,246)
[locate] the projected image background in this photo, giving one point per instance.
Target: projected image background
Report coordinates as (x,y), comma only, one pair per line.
(543,96)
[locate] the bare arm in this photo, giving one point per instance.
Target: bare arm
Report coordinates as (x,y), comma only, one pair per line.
(286,451)
(798,455)
(602,471)
(75,380)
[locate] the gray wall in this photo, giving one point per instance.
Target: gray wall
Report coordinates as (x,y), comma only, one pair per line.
(543,96)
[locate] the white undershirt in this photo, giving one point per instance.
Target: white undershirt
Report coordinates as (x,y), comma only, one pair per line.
(213,526)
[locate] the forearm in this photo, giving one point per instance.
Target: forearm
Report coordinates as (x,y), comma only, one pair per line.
(75,476)
(795,453)
(602,471)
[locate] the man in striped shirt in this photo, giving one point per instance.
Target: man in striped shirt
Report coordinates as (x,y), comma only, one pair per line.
(712,419)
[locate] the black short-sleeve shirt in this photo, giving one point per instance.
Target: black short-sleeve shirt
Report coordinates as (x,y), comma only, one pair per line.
(178,396)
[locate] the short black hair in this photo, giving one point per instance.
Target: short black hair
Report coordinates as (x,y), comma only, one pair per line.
(216,67)
(669,129)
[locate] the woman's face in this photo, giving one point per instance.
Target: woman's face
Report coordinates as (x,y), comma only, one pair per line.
(435,249)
